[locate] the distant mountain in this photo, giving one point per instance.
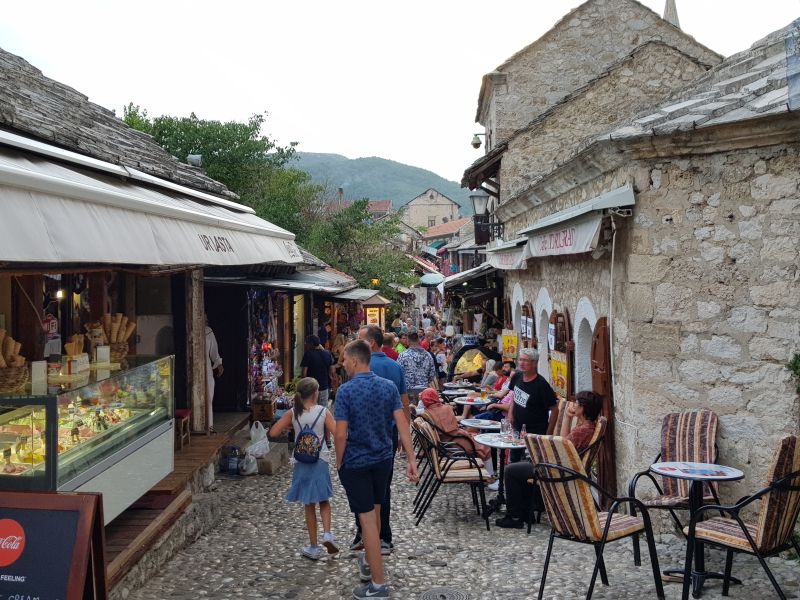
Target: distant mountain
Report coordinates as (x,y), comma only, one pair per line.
(377,178)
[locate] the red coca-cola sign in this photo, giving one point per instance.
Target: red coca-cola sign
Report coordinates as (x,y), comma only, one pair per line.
(12,541)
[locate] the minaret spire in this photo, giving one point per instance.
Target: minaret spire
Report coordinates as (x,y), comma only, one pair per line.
(671,13)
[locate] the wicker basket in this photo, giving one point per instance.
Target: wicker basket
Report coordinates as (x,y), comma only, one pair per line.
(13,379)
(119,350)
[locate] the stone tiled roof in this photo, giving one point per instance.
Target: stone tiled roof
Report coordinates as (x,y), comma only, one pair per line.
(39,107)
(748,85)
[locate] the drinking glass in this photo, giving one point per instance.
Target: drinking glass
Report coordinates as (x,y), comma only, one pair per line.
(484,394)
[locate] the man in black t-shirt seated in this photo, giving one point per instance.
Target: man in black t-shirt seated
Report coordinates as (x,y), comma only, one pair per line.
(535,405)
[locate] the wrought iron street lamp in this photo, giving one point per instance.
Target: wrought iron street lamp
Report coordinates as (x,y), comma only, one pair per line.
(486,228)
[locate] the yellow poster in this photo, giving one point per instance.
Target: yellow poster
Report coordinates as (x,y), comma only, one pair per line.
(510,344)
(373,316)
(560,372)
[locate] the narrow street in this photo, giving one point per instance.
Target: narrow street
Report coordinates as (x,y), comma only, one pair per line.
(254,553)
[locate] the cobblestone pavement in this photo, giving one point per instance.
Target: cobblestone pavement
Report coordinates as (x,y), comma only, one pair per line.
(254,553)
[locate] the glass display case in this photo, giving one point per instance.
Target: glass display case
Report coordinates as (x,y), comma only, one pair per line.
(84,425)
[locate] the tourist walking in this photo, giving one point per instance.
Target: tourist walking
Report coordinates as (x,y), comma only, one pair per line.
(418,366)
(319,364)
(385,367)
(368,410)
(311,478)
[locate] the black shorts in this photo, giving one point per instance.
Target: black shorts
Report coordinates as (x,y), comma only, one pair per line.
(366,486)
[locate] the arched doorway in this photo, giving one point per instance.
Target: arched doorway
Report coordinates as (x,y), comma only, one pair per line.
(585,321)
(543,307)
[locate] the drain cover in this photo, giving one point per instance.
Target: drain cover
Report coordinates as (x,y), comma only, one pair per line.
(444,593)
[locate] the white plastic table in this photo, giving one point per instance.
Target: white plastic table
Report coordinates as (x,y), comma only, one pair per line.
(496,440)
(483,424)
(698,474)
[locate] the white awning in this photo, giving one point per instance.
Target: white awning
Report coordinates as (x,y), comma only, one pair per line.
(479,271)
(510,256)
(310,281)
(363,295)
(52,213)
(614,199)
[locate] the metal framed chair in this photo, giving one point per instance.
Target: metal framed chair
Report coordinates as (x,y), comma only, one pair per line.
(773,530)
(686,436)
(574,516)
(448,464)
(588,456)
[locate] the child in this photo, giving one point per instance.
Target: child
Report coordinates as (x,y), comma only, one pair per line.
(311,482)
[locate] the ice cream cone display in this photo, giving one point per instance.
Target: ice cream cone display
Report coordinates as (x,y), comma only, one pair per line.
(114,330)
(75,346)
(13,371)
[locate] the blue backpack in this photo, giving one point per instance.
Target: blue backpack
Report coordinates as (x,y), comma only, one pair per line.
(307,446)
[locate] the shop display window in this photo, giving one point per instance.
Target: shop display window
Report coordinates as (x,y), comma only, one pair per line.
(89,420)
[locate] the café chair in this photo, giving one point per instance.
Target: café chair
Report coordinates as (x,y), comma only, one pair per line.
(555,427)
(686,436)
(573,513)
(448,463)
(772,532)
(588,456)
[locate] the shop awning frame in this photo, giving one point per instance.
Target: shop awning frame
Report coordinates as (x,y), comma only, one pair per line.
(468,275)
(58,213)
(617,198)
(365,296)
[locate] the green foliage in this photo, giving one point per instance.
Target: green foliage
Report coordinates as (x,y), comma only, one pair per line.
(255,167)
(794,366)
(378,178)
(233,153)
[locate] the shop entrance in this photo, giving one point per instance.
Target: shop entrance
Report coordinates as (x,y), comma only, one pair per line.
(226,308)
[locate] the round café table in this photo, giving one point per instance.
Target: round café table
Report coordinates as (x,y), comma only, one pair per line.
(482,424)
(698,474)
(501,444)
(467,401)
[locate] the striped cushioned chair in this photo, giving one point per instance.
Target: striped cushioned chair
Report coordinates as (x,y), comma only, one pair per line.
(449,464)
(687,436)
(588,456)
(572,511)
(771,533)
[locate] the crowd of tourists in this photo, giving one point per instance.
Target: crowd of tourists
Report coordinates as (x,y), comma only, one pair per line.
(382,380)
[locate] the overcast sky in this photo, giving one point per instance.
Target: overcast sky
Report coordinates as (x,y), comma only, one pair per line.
(398,80)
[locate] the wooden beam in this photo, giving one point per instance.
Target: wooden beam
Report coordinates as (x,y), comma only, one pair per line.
(196,350)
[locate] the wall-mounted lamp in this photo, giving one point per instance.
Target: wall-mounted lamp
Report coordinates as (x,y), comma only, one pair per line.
(476,140)
(60,295)
(376,282)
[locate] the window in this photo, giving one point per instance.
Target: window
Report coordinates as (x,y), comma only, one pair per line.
(431,221)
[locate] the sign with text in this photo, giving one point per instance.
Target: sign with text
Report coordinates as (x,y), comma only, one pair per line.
(63,532)
(559,369)
(571,237)
(510,344)
(511,259)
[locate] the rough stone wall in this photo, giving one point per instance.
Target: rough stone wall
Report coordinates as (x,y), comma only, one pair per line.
(578,49)
(648,76)
(706,300)
(430,204)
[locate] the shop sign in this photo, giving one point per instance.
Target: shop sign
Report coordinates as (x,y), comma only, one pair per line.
(215,243)
(560,372)
(510,344)
(374,316)
(470,340)
(551,336)
(526,327)
(63,532)
(571,237)
(510,260)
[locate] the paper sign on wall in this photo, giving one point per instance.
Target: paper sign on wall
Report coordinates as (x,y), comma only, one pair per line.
(510,344)
(559,370)
(551,336)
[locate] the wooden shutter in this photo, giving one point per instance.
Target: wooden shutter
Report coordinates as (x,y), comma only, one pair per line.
(565,346)
(601,384)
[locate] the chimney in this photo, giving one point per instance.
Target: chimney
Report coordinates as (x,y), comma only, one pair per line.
(671,13)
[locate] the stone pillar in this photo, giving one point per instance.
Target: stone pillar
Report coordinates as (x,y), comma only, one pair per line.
(196,350)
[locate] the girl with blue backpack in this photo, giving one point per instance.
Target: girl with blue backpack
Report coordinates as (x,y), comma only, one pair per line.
(311,481)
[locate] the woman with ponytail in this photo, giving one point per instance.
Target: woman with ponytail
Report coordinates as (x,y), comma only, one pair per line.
(311,480)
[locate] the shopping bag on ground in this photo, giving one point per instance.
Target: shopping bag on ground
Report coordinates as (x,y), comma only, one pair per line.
(248,465)
(257,432)
(259,449)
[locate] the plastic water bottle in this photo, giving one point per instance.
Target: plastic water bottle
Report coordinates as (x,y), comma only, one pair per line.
(233,459)
(523,432)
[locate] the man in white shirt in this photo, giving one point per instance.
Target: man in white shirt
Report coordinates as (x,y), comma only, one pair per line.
(214,368)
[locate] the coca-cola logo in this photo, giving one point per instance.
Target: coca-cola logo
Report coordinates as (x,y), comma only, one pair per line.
(12,541)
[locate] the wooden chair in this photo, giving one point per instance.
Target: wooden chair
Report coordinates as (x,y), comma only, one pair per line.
(687,436)
(573,513)
(588,456)
(773,530)
(182,430)
(448,464)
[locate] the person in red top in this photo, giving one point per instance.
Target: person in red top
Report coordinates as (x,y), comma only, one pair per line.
(388,346)
(519,493)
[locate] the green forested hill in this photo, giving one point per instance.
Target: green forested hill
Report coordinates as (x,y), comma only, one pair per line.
(377,178)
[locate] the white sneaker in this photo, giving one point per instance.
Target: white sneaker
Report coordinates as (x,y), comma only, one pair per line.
(330,543)
(494,486)
(312,552)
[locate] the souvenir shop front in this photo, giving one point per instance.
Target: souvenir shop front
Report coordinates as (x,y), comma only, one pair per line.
(101,319)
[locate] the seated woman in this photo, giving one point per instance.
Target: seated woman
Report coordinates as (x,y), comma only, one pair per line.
(519,493)
(442,416)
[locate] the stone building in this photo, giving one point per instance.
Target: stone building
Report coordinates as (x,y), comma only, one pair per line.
(668,214)
(429,209)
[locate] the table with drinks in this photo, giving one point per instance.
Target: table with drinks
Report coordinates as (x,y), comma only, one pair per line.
(506,440)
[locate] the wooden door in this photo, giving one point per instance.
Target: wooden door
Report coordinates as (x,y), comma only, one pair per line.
(601,384)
